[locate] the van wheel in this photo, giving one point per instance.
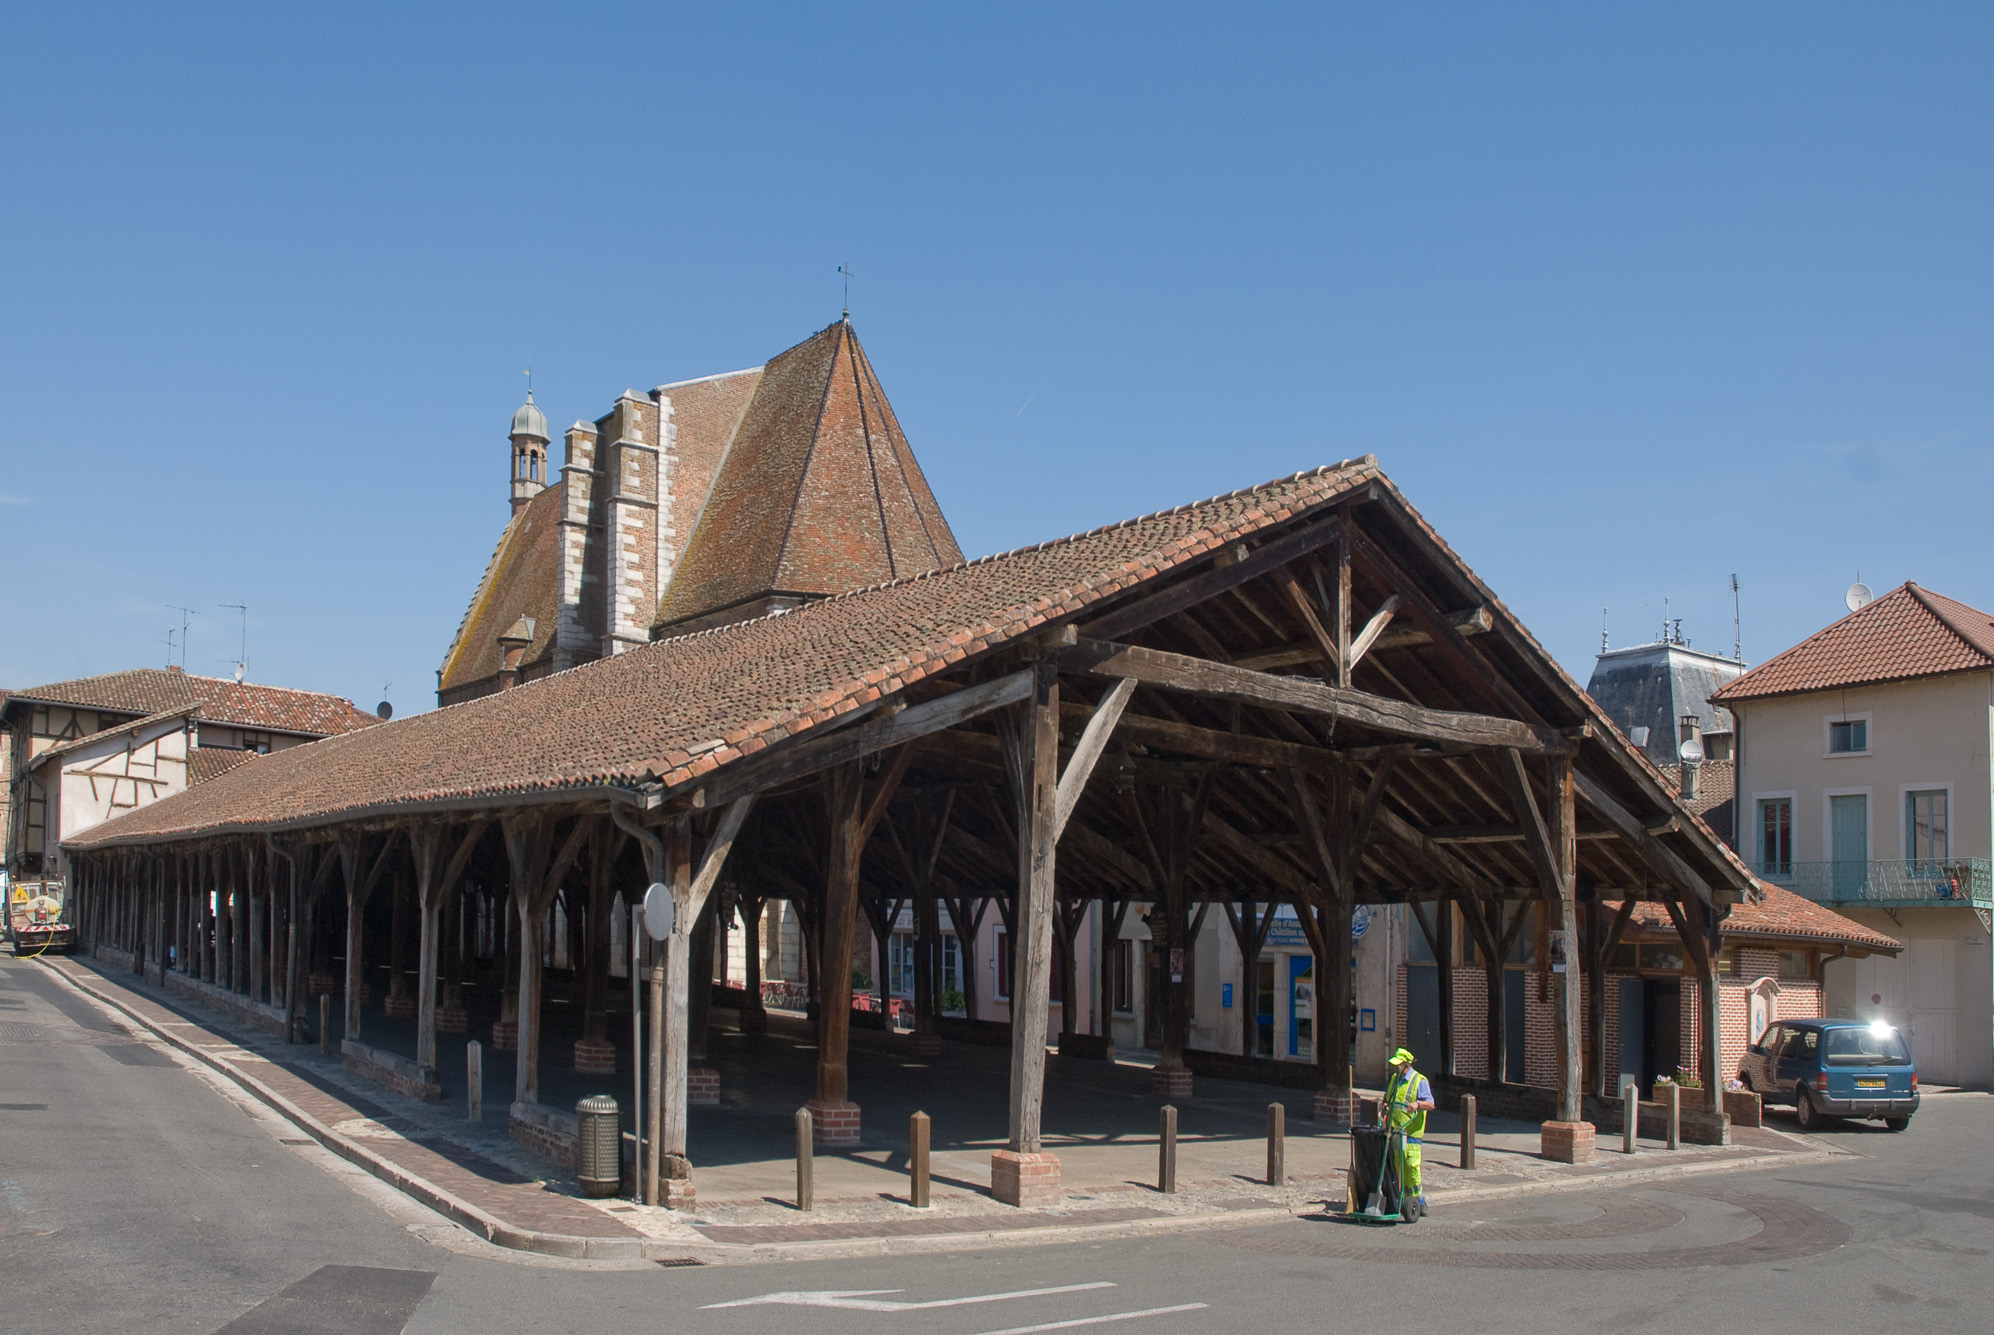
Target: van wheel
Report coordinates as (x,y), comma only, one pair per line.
(1897,1123)
(1804,1111)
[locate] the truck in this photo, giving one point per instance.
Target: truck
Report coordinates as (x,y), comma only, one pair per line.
(38,917)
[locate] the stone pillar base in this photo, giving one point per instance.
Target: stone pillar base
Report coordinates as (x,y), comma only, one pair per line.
(593,1056)
(1567,1142)
(678,1193)
(835,1124)
(1335,1107)
(452,1020)
(702,1087)
(1028,1181)
(505,1036)
(922,1044)
(1171,1081)
(401,1007)
(754,1020)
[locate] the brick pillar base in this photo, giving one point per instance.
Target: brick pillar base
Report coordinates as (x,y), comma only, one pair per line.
(1028,1181)
(1567,1142)
(678,1193)
(1171,1081)
(702,1087)
(924,1044)
(452,1020)
(833,1123)
(595,1057)
(1334,1107)
(505,1036)
(399,1006)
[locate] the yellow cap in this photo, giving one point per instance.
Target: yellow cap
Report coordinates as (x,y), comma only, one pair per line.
(1402,1058)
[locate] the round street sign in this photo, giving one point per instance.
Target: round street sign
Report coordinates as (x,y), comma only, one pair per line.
(1360,922)
(659,911)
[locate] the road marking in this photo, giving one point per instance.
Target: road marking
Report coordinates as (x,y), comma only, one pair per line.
(861,1300)
(1096,1320)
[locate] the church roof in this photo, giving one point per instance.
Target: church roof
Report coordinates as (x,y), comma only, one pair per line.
(1908,632)
(819,492)
(149,691)
(521,580)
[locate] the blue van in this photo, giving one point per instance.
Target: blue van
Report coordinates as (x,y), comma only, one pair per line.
(1834,1068)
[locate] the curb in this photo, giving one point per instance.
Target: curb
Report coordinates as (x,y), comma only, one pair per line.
(502,1234)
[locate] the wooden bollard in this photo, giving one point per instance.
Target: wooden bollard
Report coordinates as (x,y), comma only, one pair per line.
(917,1160)
(1277,1144)
(474,1081)
(806,1189)
(1673,1101)
(1166,1152)
(325,1024)
(1467,1131)
(1630,1114)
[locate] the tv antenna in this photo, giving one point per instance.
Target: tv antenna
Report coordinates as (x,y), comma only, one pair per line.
(242,659)
(1602,630)
(1858,596)
(184,612)
(168,642)
(1737,625)
(849,275)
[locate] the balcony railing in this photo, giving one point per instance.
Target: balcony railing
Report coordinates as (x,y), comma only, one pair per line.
(1897,884)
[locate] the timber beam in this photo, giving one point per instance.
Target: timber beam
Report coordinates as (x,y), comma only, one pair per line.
(1653,851)
(1199,676)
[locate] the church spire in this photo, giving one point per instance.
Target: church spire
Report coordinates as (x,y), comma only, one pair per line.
(529,453)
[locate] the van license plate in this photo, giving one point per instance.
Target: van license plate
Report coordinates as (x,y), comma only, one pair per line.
(1872,1083)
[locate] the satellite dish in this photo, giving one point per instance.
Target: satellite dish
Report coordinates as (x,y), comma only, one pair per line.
(1691,752)
(384,709)
(1858,596)
(241,671)
(659,911)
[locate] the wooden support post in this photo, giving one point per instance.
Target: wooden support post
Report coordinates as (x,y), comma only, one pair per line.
(655,1074)
(325,1024)
(1444,958)
(917,1160)
(1166,1151)
(1467,1131)
(844,793)
(474,1081)
(1711,1005)
(1277,1144)
(806,1193)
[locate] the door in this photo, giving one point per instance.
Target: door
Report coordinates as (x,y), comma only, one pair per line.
(1301,1006)
(1422,1013)
(1661,1023)
(1848,841)
(1513,1010)
(1633,1034)
(1933,965)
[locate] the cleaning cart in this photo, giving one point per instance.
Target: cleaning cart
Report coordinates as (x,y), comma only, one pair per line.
(1376,1178)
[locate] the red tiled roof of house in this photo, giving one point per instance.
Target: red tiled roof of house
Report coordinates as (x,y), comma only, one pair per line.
(214,700)
(1781,915)
(819,492)
(211,762)
(1908,632)
(676,709)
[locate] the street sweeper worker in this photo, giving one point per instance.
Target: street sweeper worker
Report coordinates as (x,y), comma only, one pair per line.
(1408,1098)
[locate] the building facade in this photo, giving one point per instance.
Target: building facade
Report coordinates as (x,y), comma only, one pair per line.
(1865,781)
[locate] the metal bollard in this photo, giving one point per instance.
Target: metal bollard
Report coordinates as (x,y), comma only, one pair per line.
(1277,1144)
(806,1191)
(325,1024)
(917,1161)
(599,1146)
(1673,1101)
(1166,1152)
(1467,1131)
(474,1081)
(1630,1114)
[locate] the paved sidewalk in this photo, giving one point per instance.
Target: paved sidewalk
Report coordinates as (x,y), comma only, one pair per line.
(473,1173)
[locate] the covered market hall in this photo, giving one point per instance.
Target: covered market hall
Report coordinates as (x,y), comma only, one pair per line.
(1293,702)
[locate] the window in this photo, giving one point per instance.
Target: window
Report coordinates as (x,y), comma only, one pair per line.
(900,964)
(952,964)
(1125,977)
(1795,965)
(1925,826)
(1661,959)
(1848,736)
(1776,836)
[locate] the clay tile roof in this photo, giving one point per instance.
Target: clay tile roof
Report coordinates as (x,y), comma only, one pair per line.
(819,492)
(209,762)
(520,580)
(676,709)
(148,691)
(1908,632)
(1780,915)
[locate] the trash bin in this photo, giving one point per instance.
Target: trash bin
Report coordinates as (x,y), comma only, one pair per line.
(599,1146)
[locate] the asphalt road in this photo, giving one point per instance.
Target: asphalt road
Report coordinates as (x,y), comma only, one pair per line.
(137,1193)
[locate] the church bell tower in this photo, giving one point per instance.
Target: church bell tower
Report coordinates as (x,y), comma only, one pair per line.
(529,453)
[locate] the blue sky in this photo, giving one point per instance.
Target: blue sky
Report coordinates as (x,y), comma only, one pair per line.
(1626,300)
